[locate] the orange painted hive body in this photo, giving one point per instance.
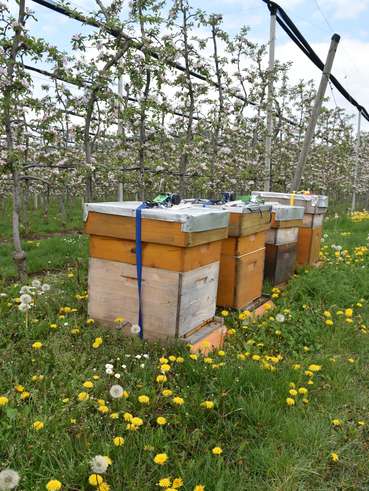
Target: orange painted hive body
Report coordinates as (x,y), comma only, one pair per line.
(180,267)
(242,256)
(310,231)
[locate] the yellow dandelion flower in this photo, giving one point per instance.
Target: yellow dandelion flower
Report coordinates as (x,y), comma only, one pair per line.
(336,422)
(38,425)
(163,360)
(177,483)
(160,458)
(178,401)
(165,482)
(161,379)
(103,409)
(88,384)
(83,396)
(180,359)
(329,322)
(95,480)
(315,368)
(161,421)
(217,451)
(167,392)
(114,415)
(293,392)
(19,388)
(165,368)
(199,487)
(348,312)
(207,404)
(53,485)
(136,421)
(90,321)
(143,399)
(290,401)
(334,457)
(3,400)
(25,395)
(303,391)
(118,441)
(127,417)
(37,345)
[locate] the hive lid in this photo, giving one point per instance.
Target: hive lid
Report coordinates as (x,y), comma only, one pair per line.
(192,219)
(312,203)
(231,207)
(286,212)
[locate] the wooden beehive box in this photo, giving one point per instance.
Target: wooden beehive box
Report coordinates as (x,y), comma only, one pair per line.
(281,243)
(242,255)
(180,258)
(310,232)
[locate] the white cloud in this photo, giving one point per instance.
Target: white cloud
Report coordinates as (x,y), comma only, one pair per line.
(348,68)
(346,9)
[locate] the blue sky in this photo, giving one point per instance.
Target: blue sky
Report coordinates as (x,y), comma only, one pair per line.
(317,20)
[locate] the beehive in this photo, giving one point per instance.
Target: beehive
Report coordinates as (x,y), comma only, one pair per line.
(243,254)
(180,259)
(281,243)
(310,232)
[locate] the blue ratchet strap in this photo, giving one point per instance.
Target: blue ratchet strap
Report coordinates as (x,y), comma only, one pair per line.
(139,265)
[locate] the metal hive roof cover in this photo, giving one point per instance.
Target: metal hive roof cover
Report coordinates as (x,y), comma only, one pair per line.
(192,219)
(307,200)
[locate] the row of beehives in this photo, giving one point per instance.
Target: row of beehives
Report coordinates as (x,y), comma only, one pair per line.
(195,258)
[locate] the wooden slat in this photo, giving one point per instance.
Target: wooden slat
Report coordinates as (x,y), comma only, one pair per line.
(250,276)
(236,246)
(173,303)
(240,279)
(160,256)
(286,223)
(155,231)
(241,224)
(280,262)
(308,246)
(197,297)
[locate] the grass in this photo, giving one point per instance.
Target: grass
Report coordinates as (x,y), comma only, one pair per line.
(37,222)
(266,444)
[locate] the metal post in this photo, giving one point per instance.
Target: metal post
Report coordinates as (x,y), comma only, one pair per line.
(120,191)
(357,159)
(269,122)
(315,114)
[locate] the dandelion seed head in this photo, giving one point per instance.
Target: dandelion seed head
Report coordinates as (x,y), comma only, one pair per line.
(116,391)
(9,479)
(99,464)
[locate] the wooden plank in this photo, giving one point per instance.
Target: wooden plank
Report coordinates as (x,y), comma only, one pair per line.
(240,279)
(280,262)
(112,290)
(155,231)
(207,339)
(236,246)
(173,303)
(227,281)
(171,258)
(248,223)
(308,246)
(197,297)
(286,223)
(249,277)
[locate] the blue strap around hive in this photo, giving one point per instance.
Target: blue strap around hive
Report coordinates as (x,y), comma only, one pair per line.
(139,265)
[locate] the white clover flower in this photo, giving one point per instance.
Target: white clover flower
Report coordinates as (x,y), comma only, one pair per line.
(109,371)
(280,318)
(135,329)
(45,287)
(116,391)
(142,365)
(3,295)
(109,365)
(146,356)
(117,375)
(25,298)
(124,367)
(99,464)
(23,307)
(9,479)
(36,283)
(138,357)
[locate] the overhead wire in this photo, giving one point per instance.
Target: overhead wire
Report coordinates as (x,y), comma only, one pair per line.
(293,32)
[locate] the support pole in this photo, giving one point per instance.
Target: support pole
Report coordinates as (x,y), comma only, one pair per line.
(269,122)
(315,114)
(120,128)
(357,159)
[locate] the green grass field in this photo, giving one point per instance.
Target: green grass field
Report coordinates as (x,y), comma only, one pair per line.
(319,442)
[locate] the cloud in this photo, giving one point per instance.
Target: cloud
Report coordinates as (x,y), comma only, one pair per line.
(348,68)
(346,9)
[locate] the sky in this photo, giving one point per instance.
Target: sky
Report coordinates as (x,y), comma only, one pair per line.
(316,19)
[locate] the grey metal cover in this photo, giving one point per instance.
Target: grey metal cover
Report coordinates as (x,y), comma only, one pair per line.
(192,219)
(236,207)
(286,212)
(313,203)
